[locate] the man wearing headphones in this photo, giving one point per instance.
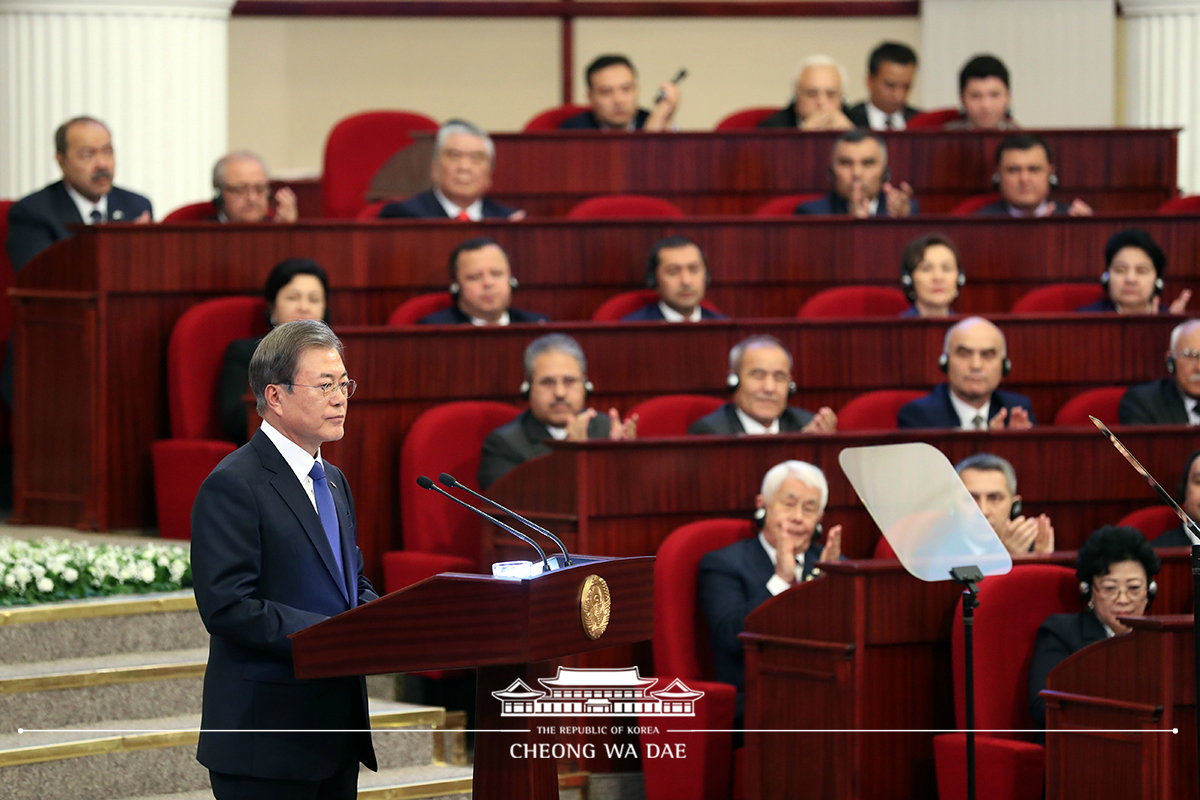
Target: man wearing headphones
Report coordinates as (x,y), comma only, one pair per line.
(760,377)
(1025,175)
(974,358)
(482,284)
(1133,277)
(862,181)
(242,191)
(992,481)
(1171,400)
(1188,497)
(557,388)
(820,99)
(677,269)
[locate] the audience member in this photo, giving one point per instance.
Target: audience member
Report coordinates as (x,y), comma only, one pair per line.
(1171,400)
(992,481)
(613,97)
(243,191)
(463,158)
(735,580)
(1116,568)
(860,174)
(1133,277)
(296,288)
(482,285)
(557,388)
(676,267)
(1025,176)
(760,377)
(890,72)
(931,275)
(1188,497)
(85,195)
(820,94)
(974,358)
(983,91)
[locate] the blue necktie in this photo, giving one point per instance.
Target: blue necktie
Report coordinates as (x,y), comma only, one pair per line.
(97,217)
(328,514)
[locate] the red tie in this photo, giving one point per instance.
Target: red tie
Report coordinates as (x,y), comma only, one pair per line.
(462,217)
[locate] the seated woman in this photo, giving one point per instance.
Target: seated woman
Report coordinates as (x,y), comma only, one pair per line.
(1133,277)
(1116,567)
(930,275)
(297,288)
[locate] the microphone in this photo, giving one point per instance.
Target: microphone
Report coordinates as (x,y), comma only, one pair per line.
(426,483)
(679,76)
(448,480)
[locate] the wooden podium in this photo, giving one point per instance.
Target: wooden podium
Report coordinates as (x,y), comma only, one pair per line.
(508,629)
(1144,681)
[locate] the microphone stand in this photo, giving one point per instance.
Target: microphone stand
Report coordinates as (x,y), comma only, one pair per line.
(970,577)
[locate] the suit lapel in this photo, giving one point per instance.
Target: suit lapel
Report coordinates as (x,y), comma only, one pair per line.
(1178,408)
(64,206)
(735,423)
(432,204)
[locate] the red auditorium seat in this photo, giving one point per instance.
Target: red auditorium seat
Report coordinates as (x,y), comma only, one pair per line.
(192,212)
(682,651)
(625,206)
(784,206)
(934,118)
(672,414)
(1152,522)
(415,308)
(551,118)
(882,548)
(1100,403)
(1188,204)
(875,411)
(616,307)
(972,204)
(746,119)
(1058,298)
(1009,766)
(357,147)
(854,301)
(371,210)
(195,355)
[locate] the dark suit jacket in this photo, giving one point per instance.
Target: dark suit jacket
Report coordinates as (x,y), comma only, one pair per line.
(783,118)
(39,220)
(858,114)
(263,569)
(1172,538)
(452,315)
(652,313)
(835,204)
(522,439)
(1060,636)
(725,421)
(1000,209)
(586,121)
(1155,403)
(935,411)
(232,385)
(426,206)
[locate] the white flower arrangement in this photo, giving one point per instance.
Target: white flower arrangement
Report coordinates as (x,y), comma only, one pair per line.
(49,570)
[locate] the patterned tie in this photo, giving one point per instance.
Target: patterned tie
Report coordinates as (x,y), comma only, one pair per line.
(329,521)
(978,422)
(462,217)
(97,217)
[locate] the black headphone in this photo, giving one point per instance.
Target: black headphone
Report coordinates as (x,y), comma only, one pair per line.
(527,387)
(943,363)
(1015,511)
(1158,290)
(513,284)
(906,282)
(759,521)
(732,382)
(1085,589)
(1171,363)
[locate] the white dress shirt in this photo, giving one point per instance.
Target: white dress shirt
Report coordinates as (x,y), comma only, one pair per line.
(474,211)
(671,315)
(878,120)
(966,412)
(776,584)
(754,427)
(1193,413)
(297,458)
(479,323)
(86,207)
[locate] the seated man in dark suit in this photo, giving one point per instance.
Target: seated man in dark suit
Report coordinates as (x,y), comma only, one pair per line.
(676,267)
(85,195)
(1188,497)
(1133,277)
(1025,175)
(242,191)
(463,159)
(974,358)
(1172,400)
(861,181)
(613,97)
(737,579)
(557,388)
(760,377)
(992,481)
(890,72)
(819,104)
(482,285)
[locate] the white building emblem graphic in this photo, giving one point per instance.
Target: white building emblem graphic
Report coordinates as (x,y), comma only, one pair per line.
(597,692)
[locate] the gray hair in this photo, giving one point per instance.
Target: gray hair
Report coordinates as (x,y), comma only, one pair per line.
(966,323)
(456,126)
(822,60)
(1179,330)
(218,173)
(738,351)
(277,356)
(802,471)
(989,462)
(553,342)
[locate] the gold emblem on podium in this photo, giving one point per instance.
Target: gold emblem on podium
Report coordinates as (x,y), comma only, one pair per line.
(594,606)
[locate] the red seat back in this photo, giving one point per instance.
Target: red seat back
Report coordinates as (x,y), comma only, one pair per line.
(682,648)
(934,118)
(672,414)
(551,118)
(356,148)
(746,119)
(784,206)
(875,411)
(618,306)
(447,438)
(972,204)
(1188,204)
(192,212)
(1058,298)
(854,301)
(1152,522)
(195,355)
(412,310)
(1101,403)
(371,210)
(625,206)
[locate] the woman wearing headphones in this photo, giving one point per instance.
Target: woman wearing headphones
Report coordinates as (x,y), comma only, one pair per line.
(1116,567)
(930,275)
(1133,277)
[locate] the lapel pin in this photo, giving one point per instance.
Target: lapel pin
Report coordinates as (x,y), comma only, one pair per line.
(118,214)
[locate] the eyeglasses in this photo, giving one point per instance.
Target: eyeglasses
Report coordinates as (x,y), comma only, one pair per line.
(248,189)
(346,387)
(1187,355)
(1112,591)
